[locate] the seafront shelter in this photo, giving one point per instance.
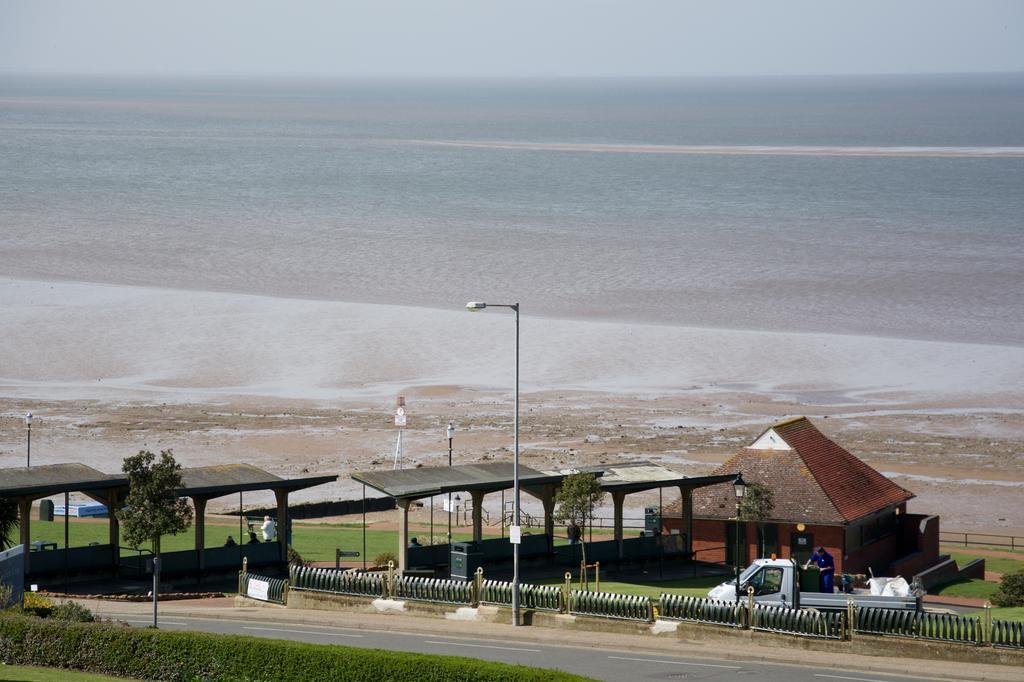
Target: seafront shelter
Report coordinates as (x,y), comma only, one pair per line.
(200,484)
(407,486)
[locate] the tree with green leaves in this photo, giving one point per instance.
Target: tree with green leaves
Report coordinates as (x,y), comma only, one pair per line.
(575,502)
(8,522)
(153,508)
(757,506)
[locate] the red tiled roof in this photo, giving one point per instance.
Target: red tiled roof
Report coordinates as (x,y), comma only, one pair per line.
(815,481)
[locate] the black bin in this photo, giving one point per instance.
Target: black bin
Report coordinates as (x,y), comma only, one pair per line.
(46,510)
(464,560)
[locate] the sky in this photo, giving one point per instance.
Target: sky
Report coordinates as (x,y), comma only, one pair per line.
(521,38)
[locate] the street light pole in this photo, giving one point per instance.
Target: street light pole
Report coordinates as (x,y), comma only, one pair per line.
(473,306)
(740,487)
(451,434)
(28,450)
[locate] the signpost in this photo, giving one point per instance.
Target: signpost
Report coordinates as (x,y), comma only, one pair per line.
(400,423)
(338,553)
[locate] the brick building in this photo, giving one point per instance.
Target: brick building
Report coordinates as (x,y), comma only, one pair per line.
(823,496)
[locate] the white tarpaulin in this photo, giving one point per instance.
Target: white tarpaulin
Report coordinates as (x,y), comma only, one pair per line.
(258,589)
(889,587)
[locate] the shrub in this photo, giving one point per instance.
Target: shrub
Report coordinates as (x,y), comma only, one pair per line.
(383,558)
(165,655)
(295,559)
(1011,590)
(6,596)
(38,605)
(73,613)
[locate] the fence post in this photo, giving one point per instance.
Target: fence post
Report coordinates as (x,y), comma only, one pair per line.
(566,593)
(389,591)
(986,631)
(748,619)
(850,613)
(284,593)
(242,574)
(597,575)
(478,583)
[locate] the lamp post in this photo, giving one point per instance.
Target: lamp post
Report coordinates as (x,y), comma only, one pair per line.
(28,448)
(476,306)
(740,486)
(451,434)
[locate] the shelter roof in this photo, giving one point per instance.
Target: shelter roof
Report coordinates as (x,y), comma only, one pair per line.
(414,484)
(812,478)
(639,476)
(224,479)
(49,479)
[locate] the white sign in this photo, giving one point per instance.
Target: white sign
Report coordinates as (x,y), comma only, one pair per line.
(515,535)
(446,505)
(399,416)
(258,589)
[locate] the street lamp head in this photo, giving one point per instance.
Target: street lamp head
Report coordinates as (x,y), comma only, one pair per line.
(740,486)
(28,419)
(451,430)
(475,306)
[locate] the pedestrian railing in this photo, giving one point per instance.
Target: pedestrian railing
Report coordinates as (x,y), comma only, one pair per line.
(542,597)
(610,605)
(798,622)
(337,581)
(263,588)
(938,626)
(1004,633)
(698,610)
(431,589)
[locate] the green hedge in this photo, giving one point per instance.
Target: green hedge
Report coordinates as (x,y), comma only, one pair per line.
(165,655)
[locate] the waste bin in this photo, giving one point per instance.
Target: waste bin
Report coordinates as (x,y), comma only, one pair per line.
(46,510)
(810,579)
(465,558)
(652,520)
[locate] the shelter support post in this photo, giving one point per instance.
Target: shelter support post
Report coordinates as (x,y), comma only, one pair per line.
(25,515)
(200,506)
(403,534)
(282,522)
(686,516)
(618,497)
(114,530)
(548,500)
(478,511)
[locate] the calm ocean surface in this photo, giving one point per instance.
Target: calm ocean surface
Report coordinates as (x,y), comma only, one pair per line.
(336,190)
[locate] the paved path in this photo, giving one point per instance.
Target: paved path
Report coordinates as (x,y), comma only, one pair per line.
(603,656)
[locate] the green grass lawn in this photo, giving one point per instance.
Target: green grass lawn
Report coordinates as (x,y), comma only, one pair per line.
(31,674)
(1014,613)
(691,587)
(315,542)
(994,564)
(976,589)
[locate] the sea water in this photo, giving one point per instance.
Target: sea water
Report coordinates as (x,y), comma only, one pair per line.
(868,206)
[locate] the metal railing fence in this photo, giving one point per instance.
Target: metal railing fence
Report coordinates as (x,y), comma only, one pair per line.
(698,610)
(610,605)
(277,588)
(801,622)
(543,597)
(434,590)
(337,581)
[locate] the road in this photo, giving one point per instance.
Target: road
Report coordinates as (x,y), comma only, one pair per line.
(603,664)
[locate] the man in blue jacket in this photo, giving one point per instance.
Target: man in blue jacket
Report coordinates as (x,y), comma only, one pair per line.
(827,565)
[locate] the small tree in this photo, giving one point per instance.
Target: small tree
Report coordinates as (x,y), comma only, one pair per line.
(576,499)
(8,522)
(757,505)
(153,507)
(1011,590)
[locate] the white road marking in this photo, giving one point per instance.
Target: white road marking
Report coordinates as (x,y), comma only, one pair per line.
(150,621)
(482,646)
(859,679)
(303,632)
(652,660)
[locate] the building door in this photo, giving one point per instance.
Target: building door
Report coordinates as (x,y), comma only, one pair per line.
(801,546)
(730,543)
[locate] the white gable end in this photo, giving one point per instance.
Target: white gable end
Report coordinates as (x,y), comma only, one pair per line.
(769,440)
